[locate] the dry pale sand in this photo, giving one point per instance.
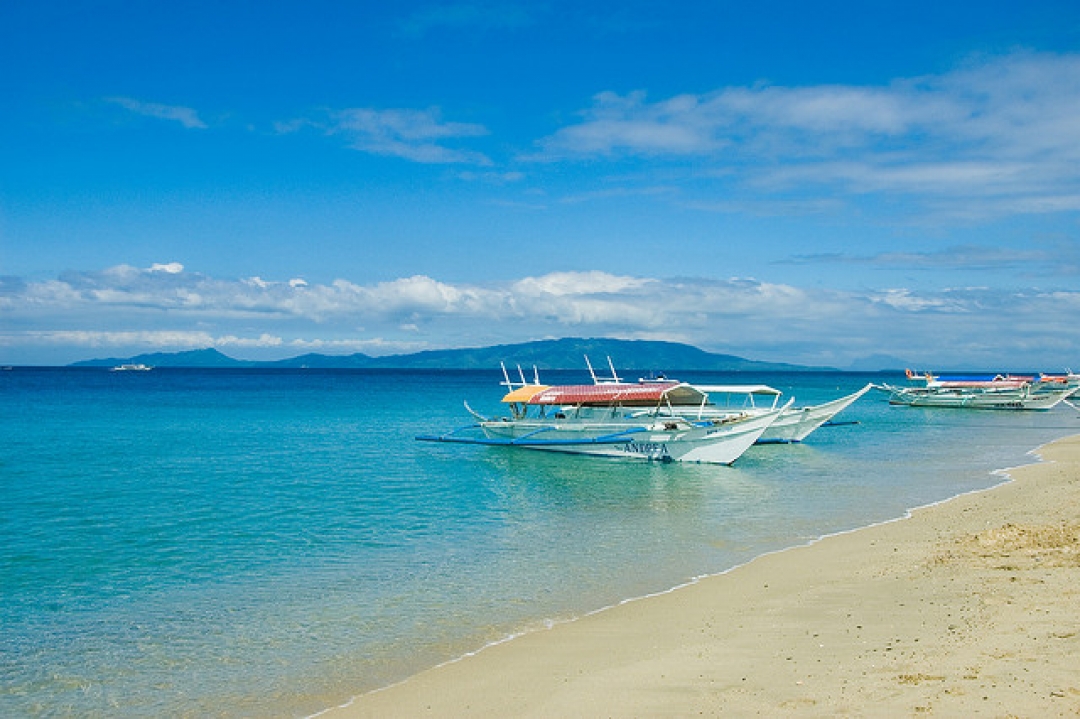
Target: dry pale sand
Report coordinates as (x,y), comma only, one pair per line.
(967,608)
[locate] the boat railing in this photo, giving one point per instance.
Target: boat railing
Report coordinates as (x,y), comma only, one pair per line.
(511,385)
(613,379)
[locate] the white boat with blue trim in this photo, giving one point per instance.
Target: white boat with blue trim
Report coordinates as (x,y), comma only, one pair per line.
(795,424)
(1003,392)
(616,419)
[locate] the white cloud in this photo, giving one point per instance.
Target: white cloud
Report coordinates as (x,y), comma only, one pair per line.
(418,135)
(576,283)
(263,340)
(124,307)
(186,116)
(680,126)
(1038,259)
(151,339)
(999,131)
(902,299)
(372,346)
(138,340)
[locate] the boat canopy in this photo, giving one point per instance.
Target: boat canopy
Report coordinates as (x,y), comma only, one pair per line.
(616,393)
(996,383)
(524,393)
(971,381)
(982,377)
(738,389)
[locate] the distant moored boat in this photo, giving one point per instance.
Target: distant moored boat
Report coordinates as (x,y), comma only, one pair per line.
(983,392)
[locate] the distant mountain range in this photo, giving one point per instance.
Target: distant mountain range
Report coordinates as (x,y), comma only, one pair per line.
(545,354)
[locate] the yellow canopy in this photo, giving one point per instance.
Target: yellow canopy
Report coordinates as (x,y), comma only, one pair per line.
(524,394)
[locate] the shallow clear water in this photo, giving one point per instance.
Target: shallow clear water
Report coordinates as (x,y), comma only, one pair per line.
(270,543)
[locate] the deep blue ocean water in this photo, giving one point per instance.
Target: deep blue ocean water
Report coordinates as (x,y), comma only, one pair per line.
(271,543)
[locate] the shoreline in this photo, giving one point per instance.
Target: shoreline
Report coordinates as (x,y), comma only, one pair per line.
(972,610)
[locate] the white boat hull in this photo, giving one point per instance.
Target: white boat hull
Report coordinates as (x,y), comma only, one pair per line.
(1021,399)
(665,439)
(796,424)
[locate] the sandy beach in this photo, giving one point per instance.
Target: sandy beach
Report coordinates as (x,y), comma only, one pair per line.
(966,608)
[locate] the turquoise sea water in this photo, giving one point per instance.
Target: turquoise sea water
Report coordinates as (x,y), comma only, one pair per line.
(271,543)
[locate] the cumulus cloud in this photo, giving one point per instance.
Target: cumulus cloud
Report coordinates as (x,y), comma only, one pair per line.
(1016,105)
(371,346)
(126,306)
(151,339)
(147,339)
(999,131)
(577,283)
(680,126)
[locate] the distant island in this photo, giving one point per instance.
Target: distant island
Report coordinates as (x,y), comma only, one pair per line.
(556,354)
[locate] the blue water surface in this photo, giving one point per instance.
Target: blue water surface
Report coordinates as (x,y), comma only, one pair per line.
(272,542)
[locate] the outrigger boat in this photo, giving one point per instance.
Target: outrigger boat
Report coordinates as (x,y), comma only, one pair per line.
(615,419)
(794,424)
(1069,379)
(983,392)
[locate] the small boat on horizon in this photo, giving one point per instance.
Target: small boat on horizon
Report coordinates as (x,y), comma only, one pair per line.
(134,367)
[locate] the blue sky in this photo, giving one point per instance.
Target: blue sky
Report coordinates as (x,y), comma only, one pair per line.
(787,181)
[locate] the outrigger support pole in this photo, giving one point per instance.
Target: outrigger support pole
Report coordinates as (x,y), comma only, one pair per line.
(527,441)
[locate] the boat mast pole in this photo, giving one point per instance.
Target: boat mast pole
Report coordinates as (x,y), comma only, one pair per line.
(614,375)
(591,372)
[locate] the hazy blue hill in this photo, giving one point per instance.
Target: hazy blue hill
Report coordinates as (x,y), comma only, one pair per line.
(877,363)
(570,354)
(191,358)
(545,354)
(319,361)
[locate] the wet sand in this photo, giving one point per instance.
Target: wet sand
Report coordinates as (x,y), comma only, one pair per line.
(966,608)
